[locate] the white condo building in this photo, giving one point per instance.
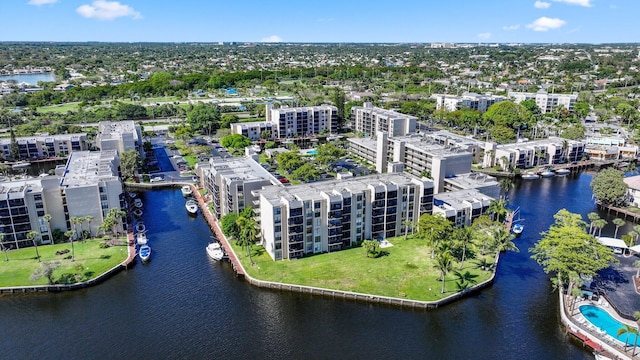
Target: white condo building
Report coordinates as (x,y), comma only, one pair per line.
(120,136)
(545,101)
(528,154)
(42,146)
(302,121)
(467,100)
(329,216)
(368,120)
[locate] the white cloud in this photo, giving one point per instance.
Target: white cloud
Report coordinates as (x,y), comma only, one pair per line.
(585,3)
(545,24)
(107,10)
(41,2)
(511,27)
(272,39)
(484,36)
(541,5)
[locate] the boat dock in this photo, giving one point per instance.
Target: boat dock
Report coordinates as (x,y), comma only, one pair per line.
(211,220)
(618,211)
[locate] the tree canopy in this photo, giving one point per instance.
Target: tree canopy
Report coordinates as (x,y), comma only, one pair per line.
(507,114)
(129,162)
(235,141)
(609,186)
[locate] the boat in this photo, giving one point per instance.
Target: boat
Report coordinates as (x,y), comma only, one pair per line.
(137,213)
(144,253)
(140,227)
(132,195)
(20,165)
(561,172)
(215,251)
(530,176)
(517,229)
(137,202)
(141,238)
(192,206)
(547,173)
(186,191)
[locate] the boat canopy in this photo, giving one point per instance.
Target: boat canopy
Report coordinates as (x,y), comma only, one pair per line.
(612,242)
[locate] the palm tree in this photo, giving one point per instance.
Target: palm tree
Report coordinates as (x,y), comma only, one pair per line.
(505,185)
(31,235)
(75,220)
(498,208)
(444,261)
(593,216)
(628,329)
(89,220)
(636,229)
(565,146)
(69,234)
(598,225)
(4,248)
(618,222)
(47,218)
(463,237)
(407,224)
(503,240)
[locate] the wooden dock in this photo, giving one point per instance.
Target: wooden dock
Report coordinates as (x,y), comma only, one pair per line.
(618,211)
(213,225)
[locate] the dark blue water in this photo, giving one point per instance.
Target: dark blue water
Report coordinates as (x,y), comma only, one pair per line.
(182,305)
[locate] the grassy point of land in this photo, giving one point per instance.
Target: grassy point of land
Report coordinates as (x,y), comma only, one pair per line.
(58,109)
(404,270)
(93,259)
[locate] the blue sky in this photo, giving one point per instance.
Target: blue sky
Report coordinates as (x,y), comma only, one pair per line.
(504,21)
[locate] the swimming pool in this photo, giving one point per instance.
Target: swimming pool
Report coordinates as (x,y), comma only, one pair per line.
(602,320)
(312,152)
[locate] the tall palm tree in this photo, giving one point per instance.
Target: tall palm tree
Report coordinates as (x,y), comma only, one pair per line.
(407,224)
(47,218)
(628,329)
(444,261)
(598,225)
(69,234)
(4,248)
(498,209)
(618,222)
(31,235)
(592,216)
(89,220)
(75,220)
(503,240)
(463,237)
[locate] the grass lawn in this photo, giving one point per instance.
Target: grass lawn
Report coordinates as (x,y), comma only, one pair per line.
(633,209)
(93,259)
(406,270)
(58,109)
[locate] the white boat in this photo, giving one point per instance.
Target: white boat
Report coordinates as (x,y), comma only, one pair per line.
(530,176)
(20,165)
(137,213)
(137,202)
(215,251)
(141,238)
(547,173)
(186,191)
(517,229)
(140,227)
(191,206)
(561,172)
(145,253)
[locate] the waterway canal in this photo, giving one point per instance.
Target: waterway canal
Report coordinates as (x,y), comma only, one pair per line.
(182,305)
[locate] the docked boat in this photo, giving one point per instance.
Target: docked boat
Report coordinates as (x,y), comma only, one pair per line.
(132,195)
(191,206)
(141,238)
(530,176)
(20,165)
(517,229)
(561,172)
(140,227)
(137,202)
(186,191)
(215,251)
(145,253)
(137,213)
(547,173)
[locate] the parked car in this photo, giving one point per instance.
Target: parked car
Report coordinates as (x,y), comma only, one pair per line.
(156,179)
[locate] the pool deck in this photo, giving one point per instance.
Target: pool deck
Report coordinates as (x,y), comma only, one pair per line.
(593,337)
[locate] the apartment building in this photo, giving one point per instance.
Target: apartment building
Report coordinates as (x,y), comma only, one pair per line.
(461,207)
(88,185)
(449,139)
(41,146)
(545,101)
(467,100)
(528,154)
(290,122)
(120,136)
(330,216)
(253,130)
(231,182)
(420,156)
(485,184)
(368,120)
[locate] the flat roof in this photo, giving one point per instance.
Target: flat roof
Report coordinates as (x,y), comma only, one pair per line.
(87,167)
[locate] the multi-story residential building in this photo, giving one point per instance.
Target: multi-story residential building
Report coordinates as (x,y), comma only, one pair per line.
(461,207)
(451,140)
(545,101)
(253,130)
(329,216)
(33,147)
(231,182)
(368,120)
(524,155)
(290,122)
(120,136)
(420,156)
(483,183)
(467,100)
(88,185)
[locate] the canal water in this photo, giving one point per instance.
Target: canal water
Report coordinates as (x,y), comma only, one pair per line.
(31,79)
(182,305)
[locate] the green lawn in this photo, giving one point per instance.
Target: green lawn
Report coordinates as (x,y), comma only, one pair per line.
(94,260)
(58,109)
(405,271)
